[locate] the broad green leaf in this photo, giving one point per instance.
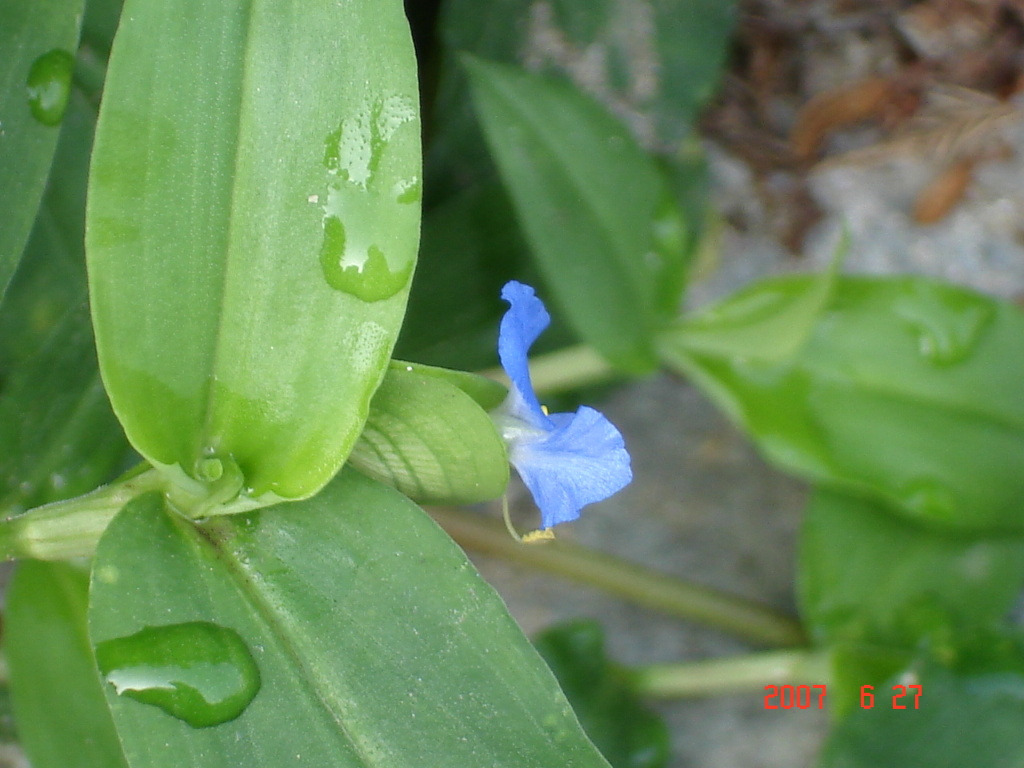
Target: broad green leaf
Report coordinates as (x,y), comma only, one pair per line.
(565,162)
(252,228)
(376,642)
(905,392)
(628,734)
(58,435)
(427,436)
(62,717)
(38,40)
(966,719)
(863,572)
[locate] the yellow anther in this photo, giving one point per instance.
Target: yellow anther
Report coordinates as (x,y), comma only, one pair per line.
(539,536)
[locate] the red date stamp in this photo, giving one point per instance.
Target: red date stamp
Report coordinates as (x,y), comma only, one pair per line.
(813,696)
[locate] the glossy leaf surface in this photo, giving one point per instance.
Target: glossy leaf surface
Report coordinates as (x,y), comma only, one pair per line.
(628,734)
(565,162)
(38,41)
(62,717)
(253,222)
(432,440)
(906,391)
(58,435)
(864,573)
(377,643)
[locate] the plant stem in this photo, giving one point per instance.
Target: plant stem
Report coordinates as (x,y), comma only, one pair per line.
(655,590)
(738,674)
(565,369)
(66,529)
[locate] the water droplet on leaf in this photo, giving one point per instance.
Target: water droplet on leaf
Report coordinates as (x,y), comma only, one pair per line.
(368,222)
(199,672)
(948,323)
(49,86)
(929,499)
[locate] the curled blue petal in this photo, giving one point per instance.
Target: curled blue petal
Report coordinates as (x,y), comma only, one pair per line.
(524,321)
(581,461)
(566,460)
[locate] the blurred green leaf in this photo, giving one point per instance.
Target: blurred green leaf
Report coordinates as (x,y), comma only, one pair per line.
(430,438)
(658,63)
(964,718)
(29,31)
(62,717)
(862,571)
(58,435)
(565,162)
(759,322)
(628,734)
(252,228)
(376,642)
(906,391)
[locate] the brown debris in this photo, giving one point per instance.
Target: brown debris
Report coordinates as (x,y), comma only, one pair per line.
(930,79)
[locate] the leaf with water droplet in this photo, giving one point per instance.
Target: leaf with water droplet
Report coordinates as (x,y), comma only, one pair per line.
(378,645)
(27,31)
(197,671)
(947,325)
(49,86)
(907,390)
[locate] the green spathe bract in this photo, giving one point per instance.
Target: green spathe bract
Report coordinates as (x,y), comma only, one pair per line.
(251,232)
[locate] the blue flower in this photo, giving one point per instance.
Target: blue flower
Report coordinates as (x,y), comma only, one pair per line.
(567,460)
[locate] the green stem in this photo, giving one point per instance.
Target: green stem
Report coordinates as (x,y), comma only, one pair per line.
(733,675)
(640,585)
(71,528)
(565,369)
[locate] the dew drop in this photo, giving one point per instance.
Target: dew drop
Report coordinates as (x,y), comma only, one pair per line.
(359,269)
(369,223)
(948,323)
(199,672)
(49,86)
(929,499)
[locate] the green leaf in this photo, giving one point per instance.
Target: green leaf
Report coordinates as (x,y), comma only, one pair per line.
(38,41)
(906,392)
(658,63)
(377,643)
(429,437)
(565,162)
(628,734)
(58,435)
(62,717)
(970,718)
(864,573)
(767,322)
(251,233)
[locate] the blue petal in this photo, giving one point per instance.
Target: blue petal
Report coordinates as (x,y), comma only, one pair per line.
(582,460)
(524,321)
